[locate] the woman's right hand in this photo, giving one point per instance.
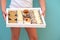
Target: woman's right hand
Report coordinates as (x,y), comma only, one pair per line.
(4,14)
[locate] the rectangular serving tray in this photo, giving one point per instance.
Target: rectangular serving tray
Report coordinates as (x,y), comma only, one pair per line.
(43,25)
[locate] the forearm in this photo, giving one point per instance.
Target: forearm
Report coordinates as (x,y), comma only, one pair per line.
(3,4)
(42,4)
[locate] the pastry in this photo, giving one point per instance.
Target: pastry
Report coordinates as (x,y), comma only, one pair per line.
(26,12)
(27,21)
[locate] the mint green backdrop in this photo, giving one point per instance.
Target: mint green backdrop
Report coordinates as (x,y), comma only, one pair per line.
(51,32)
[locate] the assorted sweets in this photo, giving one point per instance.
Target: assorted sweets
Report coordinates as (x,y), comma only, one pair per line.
(12,16)
(24,16)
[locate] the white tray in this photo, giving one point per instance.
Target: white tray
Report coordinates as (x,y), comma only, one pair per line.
(43,25)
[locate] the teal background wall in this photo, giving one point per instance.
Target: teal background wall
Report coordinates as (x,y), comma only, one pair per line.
(51,32)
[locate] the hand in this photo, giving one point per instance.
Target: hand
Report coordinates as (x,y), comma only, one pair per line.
(4,14)
(43,12)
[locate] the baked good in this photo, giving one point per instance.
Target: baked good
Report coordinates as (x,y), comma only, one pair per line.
(27,21)
(25,11)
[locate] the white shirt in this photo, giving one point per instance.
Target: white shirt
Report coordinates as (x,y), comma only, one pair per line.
(21,4)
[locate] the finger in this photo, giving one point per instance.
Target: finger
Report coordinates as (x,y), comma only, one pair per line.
(4,16)
(43,14)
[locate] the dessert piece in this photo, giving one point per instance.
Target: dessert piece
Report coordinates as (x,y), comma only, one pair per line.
(26,12)
(12,20)
(33,20)
(37,16)
(20,16)
(12,13)
(27,21)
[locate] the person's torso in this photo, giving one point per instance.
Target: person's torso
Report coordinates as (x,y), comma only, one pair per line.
(21,4)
